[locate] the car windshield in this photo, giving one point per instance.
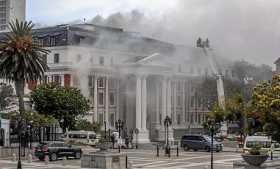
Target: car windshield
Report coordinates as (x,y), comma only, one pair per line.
(264,144)
(209,138)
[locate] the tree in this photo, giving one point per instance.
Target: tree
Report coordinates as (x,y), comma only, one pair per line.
(83,124)
(21,58)
(66,104)
(6,91)
(266,106)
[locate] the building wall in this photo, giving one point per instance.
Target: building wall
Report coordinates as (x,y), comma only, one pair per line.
(11,10)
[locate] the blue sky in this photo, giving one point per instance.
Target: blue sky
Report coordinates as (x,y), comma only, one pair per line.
(61,11)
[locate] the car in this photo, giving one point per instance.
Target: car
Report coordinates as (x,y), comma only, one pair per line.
(200,142)
(251,141)
(55,150)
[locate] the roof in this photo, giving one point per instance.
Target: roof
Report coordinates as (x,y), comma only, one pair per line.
(277,61)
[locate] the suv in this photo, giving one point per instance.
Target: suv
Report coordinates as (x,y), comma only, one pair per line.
(199,142)
(54,150)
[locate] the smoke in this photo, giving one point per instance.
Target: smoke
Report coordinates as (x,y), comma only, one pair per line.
(237,29)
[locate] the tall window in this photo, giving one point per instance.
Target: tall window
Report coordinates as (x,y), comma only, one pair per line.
(101,60)
(56,79)
(112,99)
(56,58)
(100,82)
(101,98)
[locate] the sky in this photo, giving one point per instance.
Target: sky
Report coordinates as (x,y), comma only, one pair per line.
(58,11)
(237,29)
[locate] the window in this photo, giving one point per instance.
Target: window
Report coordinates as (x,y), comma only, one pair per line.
(179,101)
(90,81)
(56,79)
(192,101)
(112,98)
(101,60)
(56,58)
(112,119)
(178,119)
(100,82)
(52,41)
(45,58)
(101,98)
(100,118)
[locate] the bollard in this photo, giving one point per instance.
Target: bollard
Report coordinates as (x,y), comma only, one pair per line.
(29,158)
(47,160)
(14,157)
(177,151)
(157,150)
(169,151)
(126,161)
(119,149)
(64,162)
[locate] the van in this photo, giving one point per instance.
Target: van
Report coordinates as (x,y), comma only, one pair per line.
(252,141)
(200,142)
(84,137)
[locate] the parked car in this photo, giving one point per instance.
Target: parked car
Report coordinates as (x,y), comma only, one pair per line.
(55,150)
(251,141)
(200,142)
(83,137)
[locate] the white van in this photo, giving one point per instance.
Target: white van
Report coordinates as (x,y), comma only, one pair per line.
(84,137)
(251,141)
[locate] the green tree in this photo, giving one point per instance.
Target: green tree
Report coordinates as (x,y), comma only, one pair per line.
(6,91)
(83,124)
(63,103)
(266,105)
(21,58)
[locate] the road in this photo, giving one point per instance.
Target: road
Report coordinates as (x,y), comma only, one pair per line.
(146,159)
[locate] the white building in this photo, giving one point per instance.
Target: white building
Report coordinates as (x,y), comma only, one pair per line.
(129,77)
(11,10)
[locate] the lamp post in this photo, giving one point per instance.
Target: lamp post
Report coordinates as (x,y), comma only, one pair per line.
(119,126)
(167,123)
(212,126)
(136,133)
(105,128)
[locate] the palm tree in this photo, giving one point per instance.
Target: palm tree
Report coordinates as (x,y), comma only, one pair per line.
(21,58)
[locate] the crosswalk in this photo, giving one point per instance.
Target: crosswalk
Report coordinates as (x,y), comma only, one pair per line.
(188,161)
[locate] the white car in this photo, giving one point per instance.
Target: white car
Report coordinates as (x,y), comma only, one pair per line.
(251,141)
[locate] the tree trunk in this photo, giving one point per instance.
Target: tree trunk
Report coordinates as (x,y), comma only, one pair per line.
(19,85)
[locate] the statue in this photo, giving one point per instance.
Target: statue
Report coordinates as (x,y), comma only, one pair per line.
(207,45)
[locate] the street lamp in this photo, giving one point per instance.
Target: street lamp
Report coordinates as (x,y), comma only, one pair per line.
(136,133)
(212,126)
(105,128)
(119,127)
(167,123)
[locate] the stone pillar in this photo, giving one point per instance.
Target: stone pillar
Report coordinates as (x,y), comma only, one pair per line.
(138,102)
(62,79)
(95,100)
(163,101)
(183,104)
(157,105)
(168,111)
(144,104)
(174,120)
(106,115)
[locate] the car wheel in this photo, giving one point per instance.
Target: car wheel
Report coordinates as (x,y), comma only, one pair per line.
(77,155)
(53,157)
(186,148)
(194,149)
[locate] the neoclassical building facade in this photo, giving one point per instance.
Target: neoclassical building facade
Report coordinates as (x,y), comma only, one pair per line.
(129,77)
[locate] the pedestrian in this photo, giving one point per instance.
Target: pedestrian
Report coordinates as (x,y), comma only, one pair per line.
(126,141)
(113,140)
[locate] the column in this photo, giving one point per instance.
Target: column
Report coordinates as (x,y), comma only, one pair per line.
(62,79)
(138,102)
(106,118)
(168,111)
(95,100)
(117,115)
(157,104)
(163,99)
(183,103)
(174,102)
(144,104)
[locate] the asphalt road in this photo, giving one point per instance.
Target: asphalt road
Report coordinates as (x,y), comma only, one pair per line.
(146,159)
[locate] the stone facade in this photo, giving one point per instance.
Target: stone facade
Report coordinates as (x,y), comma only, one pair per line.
(129,77)
(11,10)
